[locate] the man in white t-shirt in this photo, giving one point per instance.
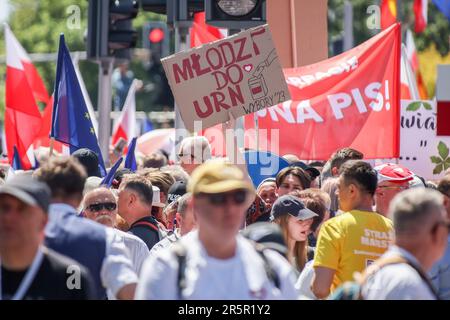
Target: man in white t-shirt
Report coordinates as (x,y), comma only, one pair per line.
(421,232)
(100,205)
(219,263)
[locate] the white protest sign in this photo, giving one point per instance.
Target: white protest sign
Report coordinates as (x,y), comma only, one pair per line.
(240,74)
(421,150)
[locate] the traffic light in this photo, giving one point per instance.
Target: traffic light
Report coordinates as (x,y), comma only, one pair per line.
(156,38)
(176,10)
(110,29)
(235,14)
(156,6)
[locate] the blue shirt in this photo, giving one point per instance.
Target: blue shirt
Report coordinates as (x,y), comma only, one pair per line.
(440,275)
(92,245)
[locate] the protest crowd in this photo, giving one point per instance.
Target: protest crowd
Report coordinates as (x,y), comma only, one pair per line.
(339,217)
(163,233)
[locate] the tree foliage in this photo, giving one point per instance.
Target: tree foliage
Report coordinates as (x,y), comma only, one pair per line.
(37,25)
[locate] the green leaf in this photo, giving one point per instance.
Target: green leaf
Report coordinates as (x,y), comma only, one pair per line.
(443,150)
(436,160)
(438,169)
(447,164)
(414,106)
(427,106)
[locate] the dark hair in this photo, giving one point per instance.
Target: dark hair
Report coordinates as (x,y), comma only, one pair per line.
(361,174)
(341,156)
(298,172)
(89,160)
(317,164)
(64,176)
(313,200)
(444,186)
(155,160)
(120,173)
(139,184)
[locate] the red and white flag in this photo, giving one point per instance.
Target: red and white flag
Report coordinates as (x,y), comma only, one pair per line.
(408,89)
(421,14)
(411,53)
(23,88)
(125,126)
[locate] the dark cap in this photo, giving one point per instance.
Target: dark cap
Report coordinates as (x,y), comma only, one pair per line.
(267,234)
(288,204)
(175,191)
(28,190)
(89,160)
(313,172)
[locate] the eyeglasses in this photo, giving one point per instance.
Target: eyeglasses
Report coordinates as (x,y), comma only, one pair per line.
(96,207)
(218,199)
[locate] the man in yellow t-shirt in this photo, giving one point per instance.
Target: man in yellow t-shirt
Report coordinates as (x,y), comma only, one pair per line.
(351,241)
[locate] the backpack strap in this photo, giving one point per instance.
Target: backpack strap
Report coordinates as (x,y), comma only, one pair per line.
(272,275)
(396,259)
(146,223)
(180,253)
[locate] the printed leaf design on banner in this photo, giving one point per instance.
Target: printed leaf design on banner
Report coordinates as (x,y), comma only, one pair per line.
(438,169)
(443,161)
(414,106)
(443,150)
(435,159)
(427,106)
(447,164)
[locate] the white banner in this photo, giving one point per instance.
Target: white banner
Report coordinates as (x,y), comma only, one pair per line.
(421,150)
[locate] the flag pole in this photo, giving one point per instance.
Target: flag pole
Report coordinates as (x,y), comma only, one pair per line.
(256,124)
(52,141)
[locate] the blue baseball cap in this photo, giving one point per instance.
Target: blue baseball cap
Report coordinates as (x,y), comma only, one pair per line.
(289,204)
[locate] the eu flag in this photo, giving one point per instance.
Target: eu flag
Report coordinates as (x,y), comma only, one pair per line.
(443,6)
(16,164)
(108,180)
(130,160)
(71,122)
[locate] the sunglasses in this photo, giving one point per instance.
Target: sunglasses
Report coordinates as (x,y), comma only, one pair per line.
(218,199)
(96,207)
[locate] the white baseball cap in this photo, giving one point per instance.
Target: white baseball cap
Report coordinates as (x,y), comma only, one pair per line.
(156,200)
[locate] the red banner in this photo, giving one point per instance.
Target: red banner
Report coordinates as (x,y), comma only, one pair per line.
(351,100)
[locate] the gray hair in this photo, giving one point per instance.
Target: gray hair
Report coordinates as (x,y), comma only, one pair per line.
(412,209)
(183,202)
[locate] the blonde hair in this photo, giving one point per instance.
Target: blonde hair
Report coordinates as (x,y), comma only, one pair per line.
(298,255)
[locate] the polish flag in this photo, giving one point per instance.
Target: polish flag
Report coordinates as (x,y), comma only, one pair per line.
(201,33)
(421,13)
(43,137)
(411,53)
(23,87)
(125,126)
(388,13)
(408,84)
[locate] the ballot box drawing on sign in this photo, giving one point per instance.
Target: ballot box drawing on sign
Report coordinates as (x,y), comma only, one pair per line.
(239,75)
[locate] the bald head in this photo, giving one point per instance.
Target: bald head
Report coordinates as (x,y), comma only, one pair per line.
(100,205)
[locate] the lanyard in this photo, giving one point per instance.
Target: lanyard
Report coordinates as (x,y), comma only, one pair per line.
(29,276)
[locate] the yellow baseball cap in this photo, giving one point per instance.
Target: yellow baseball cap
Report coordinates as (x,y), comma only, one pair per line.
(218,176)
